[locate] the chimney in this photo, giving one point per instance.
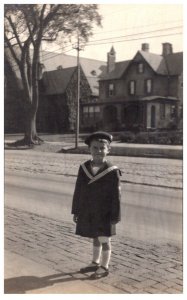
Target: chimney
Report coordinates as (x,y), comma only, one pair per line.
(145,47)
(167,48)
(111,60)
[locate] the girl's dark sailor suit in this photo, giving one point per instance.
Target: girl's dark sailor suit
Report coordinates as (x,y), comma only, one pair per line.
(96,200)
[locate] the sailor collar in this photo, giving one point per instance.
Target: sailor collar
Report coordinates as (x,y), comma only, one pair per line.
(99,175)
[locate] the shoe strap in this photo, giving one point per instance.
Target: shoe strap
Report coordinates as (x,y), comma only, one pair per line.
(93,262)
(104,268)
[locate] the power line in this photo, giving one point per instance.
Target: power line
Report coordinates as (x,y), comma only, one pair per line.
(112,38)
(134,27)
(140,38)
(152,31)
(170,28)
(60,48)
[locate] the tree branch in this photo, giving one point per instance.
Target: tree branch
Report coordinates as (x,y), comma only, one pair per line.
(12,50)
(15,32)
(30,32)
(51,14)
(47,39)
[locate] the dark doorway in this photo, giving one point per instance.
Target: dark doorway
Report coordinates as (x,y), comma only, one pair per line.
(131,115)
(153,116)
(110,117)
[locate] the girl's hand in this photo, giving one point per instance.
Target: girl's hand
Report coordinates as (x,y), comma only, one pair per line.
(114,222)
(75,218)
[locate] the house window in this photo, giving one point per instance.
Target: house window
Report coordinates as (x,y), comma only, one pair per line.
(86,111)
(140,68)
(173,111)
(91,111)
(111,89)
(96,109)
(132,87)
(148,86)
(162,110)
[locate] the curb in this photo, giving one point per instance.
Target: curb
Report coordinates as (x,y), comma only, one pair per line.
(134,151)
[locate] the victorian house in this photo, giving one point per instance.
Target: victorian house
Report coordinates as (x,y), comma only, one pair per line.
(145,92)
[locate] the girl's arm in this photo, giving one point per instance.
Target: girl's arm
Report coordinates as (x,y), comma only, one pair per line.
(76,195)
(116,199)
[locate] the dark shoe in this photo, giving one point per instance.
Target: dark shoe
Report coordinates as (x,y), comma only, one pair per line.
(90,268)
(100,273)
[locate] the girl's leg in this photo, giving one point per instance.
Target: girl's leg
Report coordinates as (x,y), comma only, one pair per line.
(103,271)
(106,254)
(97,248)
(93,266)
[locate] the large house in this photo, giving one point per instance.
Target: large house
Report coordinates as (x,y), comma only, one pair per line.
(144,93)
(58,92)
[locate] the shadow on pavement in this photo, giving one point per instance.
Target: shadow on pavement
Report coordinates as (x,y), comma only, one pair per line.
(22,284)
(16,146)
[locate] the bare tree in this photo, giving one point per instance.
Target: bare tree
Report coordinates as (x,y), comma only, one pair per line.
(26,26)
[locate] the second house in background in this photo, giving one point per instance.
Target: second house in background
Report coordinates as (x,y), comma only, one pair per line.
(145,92)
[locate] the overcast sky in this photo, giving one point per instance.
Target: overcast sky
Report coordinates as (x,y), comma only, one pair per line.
(127,26)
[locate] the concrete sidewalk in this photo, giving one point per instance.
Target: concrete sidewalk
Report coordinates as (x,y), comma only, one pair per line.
(24,276)
(136,150)
(44,256)
(117,149)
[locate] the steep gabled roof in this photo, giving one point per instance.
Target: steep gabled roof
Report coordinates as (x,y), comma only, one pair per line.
(55,82)
(156,62)
(120,68)
(172,64)
(175,63)
(92,68)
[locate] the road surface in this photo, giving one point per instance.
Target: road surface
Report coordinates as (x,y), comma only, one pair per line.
(148,213)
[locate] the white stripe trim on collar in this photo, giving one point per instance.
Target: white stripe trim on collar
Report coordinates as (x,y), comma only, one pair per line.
(98,176)
(86,171)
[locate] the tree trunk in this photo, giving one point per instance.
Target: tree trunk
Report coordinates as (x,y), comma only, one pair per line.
(31,137)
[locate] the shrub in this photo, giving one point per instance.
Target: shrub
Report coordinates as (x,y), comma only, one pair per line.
(153,137)
(127,137)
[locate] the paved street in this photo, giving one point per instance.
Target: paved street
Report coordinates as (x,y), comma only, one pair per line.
(139,170)
(136,267)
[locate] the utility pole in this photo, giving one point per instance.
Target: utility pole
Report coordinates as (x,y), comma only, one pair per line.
(78,97)
(78,48)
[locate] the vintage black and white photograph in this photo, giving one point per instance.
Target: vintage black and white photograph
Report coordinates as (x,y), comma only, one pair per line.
(93,148)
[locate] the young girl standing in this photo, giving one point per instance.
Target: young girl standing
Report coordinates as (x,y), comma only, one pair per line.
(96,202)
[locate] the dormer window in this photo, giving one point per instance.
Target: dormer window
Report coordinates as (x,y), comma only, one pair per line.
(140,67)
(111,89)
(93,72)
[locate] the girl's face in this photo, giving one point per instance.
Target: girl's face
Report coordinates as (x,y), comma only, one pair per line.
(99,151)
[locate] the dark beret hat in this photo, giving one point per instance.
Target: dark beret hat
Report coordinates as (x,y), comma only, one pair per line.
(99,135)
